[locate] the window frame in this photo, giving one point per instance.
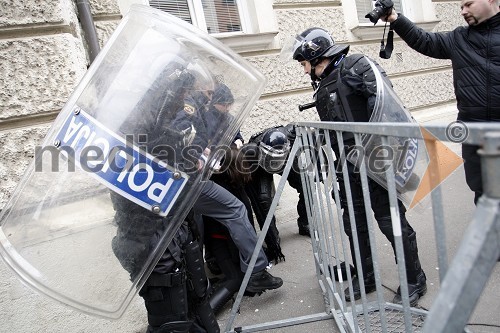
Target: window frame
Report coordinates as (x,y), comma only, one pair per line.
(258,24)
(198,17)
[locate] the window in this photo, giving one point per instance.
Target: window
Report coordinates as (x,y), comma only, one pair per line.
(177,8)
(212,16)
(243,25)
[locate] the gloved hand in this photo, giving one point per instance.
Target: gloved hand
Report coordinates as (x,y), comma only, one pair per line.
(238,143)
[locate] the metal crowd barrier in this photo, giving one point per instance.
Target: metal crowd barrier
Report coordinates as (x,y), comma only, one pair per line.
(461,280)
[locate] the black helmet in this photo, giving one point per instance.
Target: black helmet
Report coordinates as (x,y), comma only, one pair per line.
(274,148)
(222,95)
(314,43)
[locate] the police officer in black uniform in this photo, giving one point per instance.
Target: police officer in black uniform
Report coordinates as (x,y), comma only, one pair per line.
(274,144)
(169,123)
(345,90)
(217,116)
(171,305)
(215,201)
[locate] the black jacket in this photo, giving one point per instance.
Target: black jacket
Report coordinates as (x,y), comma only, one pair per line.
(475,56)
(347,92)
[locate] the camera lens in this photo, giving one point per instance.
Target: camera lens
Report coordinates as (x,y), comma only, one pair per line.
(374,15)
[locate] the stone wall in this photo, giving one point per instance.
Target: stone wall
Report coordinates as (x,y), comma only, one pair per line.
(42,59)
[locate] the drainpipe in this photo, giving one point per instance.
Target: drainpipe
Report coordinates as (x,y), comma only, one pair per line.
(87,22)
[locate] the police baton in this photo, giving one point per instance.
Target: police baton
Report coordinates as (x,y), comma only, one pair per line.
(306,106)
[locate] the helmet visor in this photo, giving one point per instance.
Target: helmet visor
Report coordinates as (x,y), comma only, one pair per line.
(271,159)
(290,45)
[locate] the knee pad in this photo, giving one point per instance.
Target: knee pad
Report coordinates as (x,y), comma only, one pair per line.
(385,225)
(265,200)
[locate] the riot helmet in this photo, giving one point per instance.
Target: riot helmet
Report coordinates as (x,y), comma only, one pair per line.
(222,95)
(180,76)
(274,149)
(315,43)
(169,77)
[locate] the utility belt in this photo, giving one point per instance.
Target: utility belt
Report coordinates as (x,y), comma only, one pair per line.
(167,280)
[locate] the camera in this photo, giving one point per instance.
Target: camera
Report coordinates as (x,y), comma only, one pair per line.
(382,8)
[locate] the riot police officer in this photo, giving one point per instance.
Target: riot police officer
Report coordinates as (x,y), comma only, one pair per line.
(346,91)
(272,147)
(171,118)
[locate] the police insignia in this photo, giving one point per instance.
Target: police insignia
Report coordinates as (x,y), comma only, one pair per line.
(189,109)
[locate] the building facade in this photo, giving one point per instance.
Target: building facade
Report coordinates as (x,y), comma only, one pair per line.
(44,52)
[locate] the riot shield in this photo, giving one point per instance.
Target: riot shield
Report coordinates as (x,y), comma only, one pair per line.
(123,163)
(408,156)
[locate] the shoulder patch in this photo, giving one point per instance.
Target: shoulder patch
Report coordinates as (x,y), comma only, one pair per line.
(189,109)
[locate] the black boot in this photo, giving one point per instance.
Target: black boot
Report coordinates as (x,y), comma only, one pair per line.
(370,286)
(262,281)
(303,224)
(219,298)
(225,290)
(415,291)
(343,271)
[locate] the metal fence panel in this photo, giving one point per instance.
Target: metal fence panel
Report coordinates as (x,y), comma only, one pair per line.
(461,283)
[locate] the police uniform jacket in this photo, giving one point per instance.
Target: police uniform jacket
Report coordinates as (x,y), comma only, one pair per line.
(347,91)
(217,121)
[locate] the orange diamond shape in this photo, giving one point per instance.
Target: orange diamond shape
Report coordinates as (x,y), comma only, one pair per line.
(442,163)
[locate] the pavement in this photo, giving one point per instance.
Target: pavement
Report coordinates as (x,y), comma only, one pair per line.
(23,310)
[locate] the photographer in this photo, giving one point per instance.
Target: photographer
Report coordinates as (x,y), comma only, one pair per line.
(474,52)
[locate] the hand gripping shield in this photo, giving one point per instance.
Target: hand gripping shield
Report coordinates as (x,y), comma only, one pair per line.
(119,169)
(408,156)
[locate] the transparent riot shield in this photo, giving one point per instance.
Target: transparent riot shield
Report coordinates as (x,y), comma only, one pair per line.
(408,156)
(124,162)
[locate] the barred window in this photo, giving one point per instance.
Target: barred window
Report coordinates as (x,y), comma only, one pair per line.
(212,16)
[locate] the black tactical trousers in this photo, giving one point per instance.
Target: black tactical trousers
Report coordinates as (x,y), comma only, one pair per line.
(382,211)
